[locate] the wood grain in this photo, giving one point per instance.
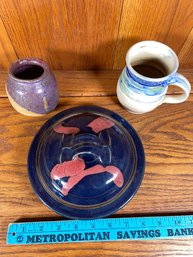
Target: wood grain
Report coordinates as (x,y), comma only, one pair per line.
(186,52)
(181,26)
(167,187)
(90,83)
(68,34)
(7,51)
(169,22)
(92,34)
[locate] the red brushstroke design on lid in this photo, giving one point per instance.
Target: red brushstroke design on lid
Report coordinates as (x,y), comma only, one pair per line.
(75,170)
(66,130)
(100,124)
(68,168)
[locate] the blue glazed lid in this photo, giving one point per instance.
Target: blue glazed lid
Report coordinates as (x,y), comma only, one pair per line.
(86,162)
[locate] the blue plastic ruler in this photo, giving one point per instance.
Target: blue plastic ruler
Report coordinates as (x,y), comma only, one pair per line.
(112,229)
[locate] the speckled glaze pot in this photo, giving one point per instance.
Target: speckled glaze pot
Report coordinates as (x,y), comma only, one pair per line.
(31,87)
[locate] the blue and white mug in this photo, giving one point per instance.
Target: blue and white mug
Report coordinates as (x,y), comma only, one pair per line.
(150,68)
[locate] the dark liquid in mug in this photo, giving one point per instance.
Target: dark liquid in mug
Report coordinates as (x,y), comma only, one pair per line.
(151,69)
(30,71)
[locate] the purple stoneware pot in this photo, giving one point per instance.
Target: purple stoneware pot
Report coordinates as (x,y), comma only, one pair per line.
(31,87)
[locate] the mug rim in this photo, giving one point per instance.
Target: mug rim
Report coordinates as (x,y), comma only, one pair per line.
(34,61)
(152,43)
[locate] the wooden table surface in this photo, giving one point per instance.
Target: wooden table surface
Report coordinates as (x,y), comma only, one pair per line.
(167,187)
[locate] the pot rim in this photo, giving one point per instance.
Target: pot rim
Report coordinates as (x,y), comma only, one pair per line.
(27,61)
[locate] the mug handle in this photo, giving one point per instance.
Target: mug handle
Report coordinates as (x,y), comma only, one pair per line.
(179,81)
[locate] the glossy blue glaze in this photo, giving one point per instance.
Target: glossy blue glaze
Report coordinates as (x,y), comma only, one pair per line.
(145,86)
(95,195)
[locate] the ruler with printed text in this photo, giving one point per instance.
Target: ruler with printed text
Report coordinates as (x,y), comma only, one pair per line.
(110,229)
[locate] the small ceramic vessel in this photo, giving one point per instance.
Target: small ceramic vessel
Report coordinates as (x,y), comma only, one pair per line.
(31,87)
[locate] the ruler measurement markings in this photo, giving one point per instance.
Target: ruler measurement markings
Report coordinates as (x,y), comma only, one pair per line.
(90,228)
(162,225)
(15,225)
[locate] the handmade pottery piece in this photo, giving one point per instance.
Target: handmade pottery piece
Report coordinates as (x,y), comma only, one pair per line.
(150,68)
(31,87)
(86,162)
